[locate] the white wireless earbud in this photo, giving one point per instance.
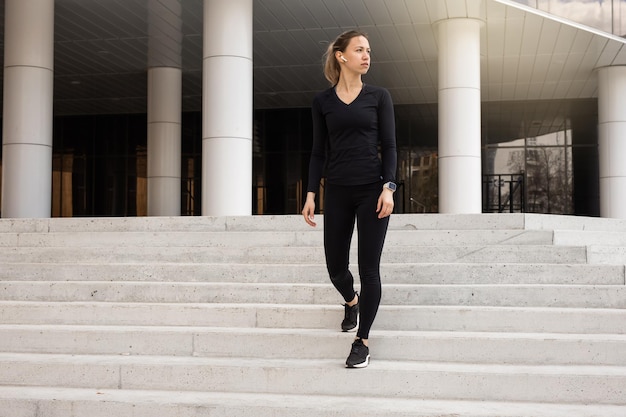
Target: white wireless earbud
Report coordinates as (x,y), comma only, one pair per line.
(344,59)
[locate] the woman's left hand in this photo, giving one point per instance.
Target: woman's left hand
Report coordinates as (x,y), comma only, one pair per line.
(385,203)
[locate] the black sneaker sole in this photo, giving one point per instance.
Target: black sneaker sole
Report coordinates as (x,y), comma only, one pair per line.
(360,365)
(351,329)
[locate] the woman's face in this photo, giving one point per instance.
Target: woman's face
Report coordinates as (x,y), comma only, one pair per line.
(356,57)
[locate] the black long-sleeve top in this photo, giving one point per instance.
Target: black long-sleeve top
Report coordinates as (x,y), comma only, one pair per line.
(347,137)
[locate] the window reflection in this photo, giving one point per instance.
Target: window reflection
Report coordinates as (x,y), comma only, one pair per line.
(543,164)
(608,16)
(418,179)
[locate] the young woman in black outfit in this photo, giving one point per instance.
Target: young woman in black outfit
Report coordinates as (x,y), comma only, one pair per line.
(354,141)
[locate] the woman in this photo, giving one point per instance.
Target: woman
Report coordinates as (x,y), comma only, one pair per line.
(354,140)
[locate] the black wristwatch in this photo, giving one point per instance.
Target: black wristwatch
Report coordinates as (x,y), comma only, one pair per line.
(390,186)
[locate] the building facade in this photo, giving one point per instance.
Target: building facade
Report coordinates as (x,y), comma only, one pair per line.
(202,107)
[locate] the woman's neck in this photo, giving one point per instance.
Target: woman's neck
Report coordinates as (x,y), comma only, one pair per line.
(348,84)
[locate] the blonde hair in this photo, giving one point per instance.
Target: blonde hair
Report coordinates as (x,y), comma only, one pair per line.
(332,69)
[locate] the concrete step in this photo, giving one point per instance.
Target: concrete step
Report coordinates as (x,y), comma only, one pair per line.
(291,255)
(383,379)
(608,255)
(273,223)
(464,347)
(76,402)
(235,316)
(245,239)
(587,296)
(579,238)
(298,316)
(427,221)
(399,273)
(534,221)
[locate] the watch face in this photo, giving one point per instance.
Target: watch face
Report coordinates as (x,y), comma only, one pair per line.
(391,186)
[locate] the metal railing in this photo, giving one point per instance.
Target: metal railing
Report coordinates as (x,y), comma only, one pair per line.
(504,193)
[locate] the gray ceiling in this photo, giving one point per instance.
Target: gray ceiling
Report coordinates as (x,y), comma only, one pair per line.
(101,51)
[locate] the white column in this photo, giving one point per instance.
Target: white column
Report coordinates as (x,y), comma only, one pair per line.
(227,110)
(164,141)
(612,140)
(164,107)
(459,116)
(27,113)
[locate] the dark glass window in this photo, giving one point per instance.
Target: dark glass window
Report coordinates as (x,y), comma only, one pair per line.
(99,162)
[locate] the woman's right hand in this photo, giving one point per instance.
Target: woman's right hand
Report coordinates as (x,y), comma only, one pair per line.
(309,209)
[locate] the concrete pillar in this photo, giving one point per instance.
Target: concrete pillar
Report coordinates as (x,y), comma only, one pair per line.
(227,110)
(27,113)
(612,140)
(164,107)
(459,116)
(164,141)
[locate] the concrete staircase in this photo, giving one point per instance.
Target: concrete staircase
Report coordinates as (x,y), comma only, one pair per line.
(512,315)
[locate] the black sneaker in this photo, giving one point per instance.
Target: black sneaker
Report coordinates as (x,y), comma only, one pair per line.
(359,355)
(350,317)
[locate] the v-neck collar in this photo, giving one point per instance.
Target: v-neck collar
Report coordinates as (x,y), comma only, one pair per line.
(355,98)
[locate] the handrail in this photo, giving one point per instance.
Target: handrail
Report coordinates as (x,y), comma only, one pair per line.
(504,192)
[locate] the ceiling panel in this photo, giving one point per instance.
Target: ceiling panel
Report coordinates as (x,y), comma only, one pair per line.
(495,10)
(608,53)
(456,8)
(477,9)
(321,13)
(192,16)
(301,15)
(340,12)
(513,35)
(531,35)
(410,42)
(495,36)
(556,67)
(436,9)
(367,9)
(509,70)
(427,40)
(284,18)
(525,69)
(582,42)
(392,44)
(576,88)
(549,34)
(101,50)
(192,52)
(541,64)
(417,12)
(590,89)
(399,12)
(620,58)
(426,72)
(562,88)
(565,39)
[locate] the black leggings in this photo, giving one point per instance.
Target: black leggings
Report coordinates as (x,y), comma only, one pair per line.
(342,204)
